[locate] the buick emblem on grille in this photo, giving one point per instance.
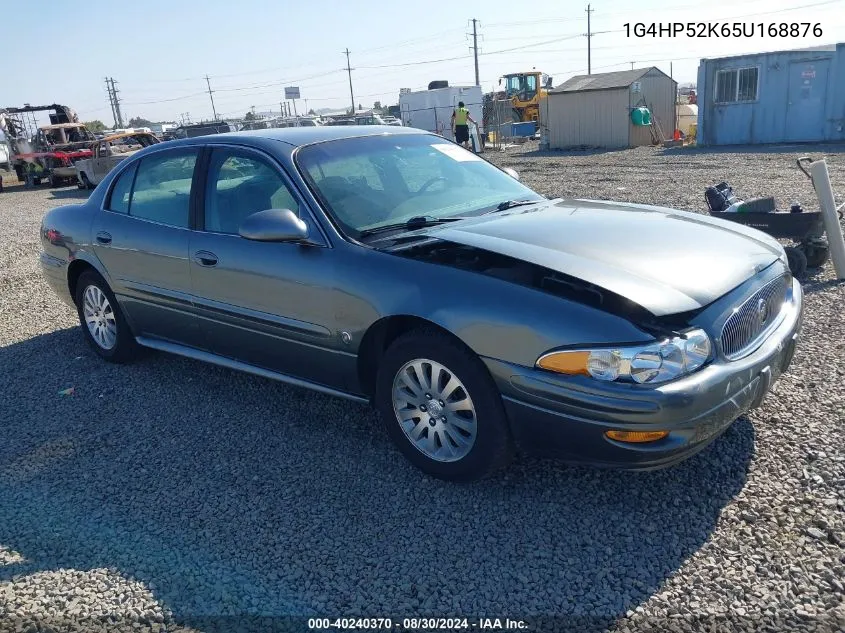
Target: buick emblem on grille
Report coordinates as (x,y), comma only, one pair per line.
(752,319)
(762,313)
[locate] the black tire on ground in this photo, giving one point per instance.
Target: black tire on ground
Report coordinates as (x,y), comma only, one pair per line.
(125,348)
(816,254)
(86,182)
(797,261)
(54,182)
(36,181)
(492,448)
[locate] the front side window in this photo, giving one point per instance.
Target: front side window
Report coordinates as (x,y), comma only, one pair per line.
(162,191)
(374,181)
(122,189)
(239,185)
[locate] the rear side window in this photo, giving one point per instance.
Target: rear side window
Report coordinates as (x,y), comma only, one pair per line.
(162,191)
(119,197)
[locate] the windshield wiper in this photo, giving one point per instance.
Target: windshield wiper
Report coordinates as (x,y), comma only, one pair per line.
(510,204)
(417,222)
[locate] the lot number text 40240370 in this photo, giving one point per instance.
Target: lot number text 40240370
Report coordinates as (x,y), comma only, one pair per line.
(723,29)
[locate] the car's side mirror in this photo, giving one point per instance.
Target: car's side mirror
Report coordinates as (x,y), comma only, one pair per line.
(274,225)
(510,171)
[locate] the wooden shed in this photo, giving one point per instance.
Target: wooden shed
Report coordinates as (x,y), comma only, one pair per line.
(595,110)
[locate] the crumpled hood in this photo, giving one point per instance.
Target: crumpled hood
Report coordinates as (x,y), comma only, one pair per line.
(666,261)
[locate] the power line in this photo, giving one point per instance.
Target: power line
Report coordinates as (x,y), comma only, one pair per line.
(115,101)
(211,96)
(349,72)
(589,37)
(475,49)
(111,101)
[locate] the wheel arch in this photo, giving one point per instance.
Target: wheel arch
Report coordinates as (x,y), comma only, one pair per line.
(78,266)
(381,334)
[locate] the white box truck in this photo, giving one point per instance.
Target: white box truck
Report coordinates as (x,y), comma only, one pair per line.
(431,110)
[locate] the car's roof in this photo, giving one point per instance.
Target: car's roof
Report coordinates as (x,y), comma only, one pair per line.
(298,136)
(114,137)
(60,126)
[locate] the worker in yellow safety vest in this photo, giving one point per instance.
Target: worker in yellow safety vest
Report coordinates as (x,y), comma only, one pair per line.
(460,124)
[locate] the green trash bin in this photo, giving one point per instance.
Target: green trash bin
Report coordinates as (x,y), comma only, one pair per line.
(641,116)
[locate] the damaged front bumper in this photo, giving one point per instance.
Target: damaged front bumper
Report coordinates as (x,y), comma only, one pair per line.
(567,416)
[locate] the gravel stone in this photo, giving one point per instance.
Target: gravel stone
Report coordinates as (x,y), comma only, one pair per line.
(169,495)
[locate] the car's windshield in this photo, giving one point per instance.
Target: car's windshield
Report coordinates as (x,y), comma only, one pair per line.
(375,181)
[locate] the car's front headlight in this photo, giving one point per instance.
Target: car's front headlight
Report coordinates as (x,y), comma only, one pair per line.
(652,363)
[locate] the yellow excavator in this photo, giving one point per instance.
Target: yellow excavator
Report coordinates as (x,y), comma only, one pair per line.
(525,91)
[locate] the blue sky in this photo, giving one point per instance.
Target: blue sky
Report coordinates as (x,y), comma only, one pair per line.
(159,52)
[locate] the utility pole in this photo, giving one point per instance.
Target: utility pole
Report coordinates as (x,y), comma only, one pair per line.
(632,65)
(589,35)
(210,96)
(111,102)
(118,115)
(306,106)
(475,49)
(349,71)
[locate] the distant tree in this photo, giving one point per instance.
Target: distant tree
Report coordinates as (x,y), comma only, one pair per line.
(360,107)
(250,116)
(311,112)
(377,105)
(96,125)
(139,122)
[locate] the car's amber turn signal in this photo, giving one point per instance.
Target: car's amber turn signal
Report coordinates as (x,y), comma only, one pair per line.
(636,437)
(573,363)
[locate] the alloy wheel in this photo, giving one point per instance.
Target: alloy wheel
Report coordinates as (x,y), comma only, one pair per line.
(99,317)
(434,410)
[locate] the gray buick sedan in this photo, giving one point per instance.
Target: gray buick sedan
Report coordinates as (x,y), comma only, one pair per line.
(389,265)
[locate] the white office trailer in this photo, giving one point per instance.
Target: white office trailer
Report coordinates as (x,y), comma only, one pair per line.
(431,110)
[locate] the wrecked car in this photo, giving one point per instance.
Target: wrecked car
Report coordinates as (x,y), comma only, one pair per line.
(56,148)
(46,152)
(108,152)
(388,265)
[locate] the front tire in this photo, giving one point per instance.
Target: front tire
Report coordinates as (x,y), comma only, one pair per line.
(102,320)
(441,408)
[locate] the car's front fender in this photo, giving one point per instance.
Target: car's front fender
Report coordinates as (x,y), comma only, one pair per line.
(495,318)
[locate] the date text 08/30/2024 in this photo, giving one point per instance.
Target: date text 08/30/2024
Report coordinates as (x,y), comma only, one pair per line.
(723,29)
(418,623)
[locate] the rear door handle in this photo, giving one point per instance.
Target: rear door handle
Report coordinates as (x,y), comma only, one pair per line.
(103,237)
(205,258)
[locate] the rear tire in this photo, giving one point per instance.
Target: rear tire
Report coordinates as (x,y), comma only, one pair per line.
(458,421)
(103,324)
(86,183)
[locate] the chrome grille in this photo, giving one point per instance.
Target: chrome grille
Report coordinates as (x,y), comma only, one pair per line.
(751,322)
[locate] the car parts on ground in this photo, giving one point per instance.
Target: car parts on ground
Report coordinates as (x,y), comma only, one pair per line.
(805,228)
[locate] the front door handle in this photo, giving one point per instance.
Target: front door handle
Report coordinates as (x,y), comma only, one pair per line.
(103,237)
(205,258)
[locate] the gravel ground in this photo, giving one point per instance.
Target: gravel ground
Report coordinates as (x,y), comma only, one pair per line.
(173,495)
